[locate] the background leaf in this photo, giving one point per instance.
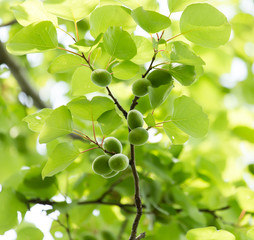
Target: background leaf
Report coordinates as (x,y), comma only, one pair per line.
(203,24)
(189,117)
(118,43)
(32,11)
(72,10)
(65,63)
(104,17)
(58,124)
(62,156)
(150,21)
(90,110)
(36,37)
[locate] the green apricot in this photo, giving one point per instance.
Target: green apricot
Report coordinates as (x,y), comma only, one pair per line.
(110,175)
(140,87)
(138,136)
(159,77)
(119,162)
(101,77)
(113,145)
(101,165)
(135,119)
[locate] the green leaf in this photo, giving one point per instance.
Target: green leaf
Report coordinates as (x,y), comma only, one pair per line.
(72,10)
(244,133)
(150,21)
(181,53)
(209,233)
(27,231)
(125,70)
(185,74)
(32,11)
(189,117)
(109,122)
(62,156)
(8,209)
(158,95)
(36,37)
(65,63)
(33,186)
(58,124)
(104,17)
(90,110)
(84,45)
(176,135)
(144,50)
(245,198)
(118,43)
(204,25)
(149,119)
(81,82)
(179,5)
(36,120)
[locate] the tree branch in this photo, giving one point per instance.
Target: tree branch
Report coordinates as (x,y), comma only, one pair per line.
(138,202)
(117,103)
(21,76)
(8,23)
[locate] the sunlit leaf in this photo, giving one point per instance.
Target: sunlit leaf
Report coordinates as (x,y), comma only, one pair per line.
(203,24)
(36,37)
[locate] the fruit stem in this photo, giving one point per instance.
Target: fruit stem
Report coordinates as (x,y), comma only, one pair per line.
(89,149)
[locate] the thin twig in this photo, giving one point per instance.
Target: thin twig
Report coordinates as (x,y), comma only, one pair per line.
(76,28)
(8,23)
(68,228)
(88,62)
(117,103)
(69,51)
(174,37)
(142,235)
(67,34)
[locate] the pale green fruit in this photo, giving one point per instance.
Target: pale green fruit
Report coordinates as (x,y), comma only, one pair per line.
(101,77)
(135,119)
(101,165)
(112,144)
(119,162)
(138,136)
(140,87)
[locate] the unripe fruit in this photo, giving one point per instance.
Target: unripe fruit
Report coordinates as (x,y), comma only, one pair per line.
(119,162)
(101,77)
(112,144)
(101,165)
(110,175)
(140,87)
(159,77)
(138,136)
(135,119)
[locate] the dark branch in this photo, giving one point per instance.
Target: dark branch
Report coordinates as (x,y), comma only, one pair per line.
(138,202)
(117,103)
(21,76)
(8,23)
(142,235)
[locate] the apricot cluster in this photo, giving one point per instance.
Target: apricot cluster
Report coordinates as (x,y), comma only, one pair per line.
(138,135)
(109,165)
